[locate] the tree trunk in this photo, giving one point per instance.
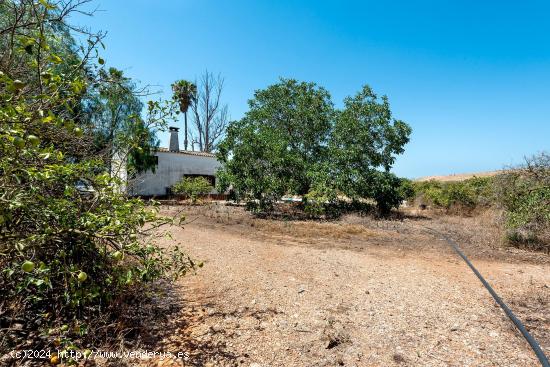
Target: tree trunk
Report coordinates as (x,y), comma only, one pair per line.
(185,138)
(206,138)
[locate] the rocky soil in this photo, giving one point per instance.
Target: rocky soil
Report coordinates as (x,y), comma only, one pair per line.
(353,292)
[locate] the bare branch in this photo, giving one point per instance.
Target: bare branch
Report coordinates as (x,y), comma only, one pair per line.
(209,116)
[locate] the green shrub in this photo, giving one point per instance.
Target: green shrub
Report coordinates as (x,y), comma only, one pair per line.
(386,191)
(467,194)
(430,192)
(193,187)
(407,189)
(71,245)
(319,200)
(524,193)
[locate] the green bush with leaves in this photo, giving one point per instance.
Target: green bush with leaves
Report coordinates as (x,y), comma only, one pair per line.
(407,189)
(386,191)
(193,187)
(70,243)
(524,193)
(467,194)
(320,200)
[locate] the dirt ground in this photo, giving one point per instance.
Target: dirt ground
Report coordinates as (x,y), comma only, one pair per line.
(352,292)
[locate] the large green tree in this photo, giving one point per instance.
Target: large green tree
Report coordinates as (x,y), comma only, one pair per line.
(292,141)
(114,112)
(281,140)
(364,144)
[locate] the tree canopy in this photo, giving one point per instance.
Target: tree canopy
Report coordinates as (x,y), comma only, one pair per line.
(292,141)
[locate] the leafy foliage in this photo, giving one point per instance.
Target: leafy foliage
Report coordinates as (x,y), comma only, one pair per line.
(366,139)
(185,93)
(467,194)
(70,243)
(525,195)
(276,148)
(113,111)
(522,192)
(320,200)
(407,189)
(193,187)
(292,141)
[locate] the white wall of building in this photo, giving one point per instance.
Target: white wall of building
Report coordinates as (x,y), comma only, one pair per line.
(119,170)
(172,166)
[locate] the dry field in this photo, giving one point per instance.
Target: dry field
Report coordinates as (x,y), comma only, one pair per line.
(353,292)
(459,176)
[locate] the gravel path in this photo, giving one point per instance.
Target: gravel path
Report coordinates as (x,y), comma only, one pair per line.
(270,295)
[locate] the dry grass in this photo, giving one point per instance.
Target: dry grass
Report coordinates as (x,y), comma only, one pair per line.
(239,219)
(310,229)
(460,176)
(481,233)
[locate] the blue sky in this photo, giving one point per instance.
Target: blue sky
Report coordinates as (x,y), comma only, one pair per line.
(472,78)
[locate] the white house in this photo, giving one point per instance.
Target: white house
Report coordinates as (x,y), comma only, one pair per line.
(173,165)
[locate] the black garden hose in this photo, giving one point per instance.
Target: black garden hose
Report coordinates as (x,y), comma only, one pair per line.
(532,342)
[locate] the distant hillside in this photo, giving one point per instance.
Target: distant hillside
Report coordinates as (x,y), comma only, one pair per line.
(459,176)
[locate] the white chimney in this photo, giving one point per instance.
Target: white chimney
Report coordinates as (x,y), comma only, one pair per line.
(174,143)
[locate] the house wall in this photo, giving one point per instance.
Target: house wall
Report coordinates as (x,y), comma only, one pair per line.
(118,169)
(170,169)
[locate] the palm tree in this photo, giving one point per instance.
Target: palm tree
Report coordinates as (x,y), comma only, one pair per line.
(184,93)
